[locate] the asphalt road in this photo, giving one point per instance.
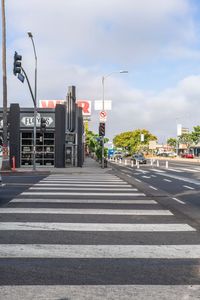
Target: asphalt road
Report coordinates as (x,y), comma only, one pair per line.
(112,234)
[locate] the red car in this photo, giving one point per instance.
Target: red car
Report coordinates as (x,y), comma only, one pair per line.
(187,155)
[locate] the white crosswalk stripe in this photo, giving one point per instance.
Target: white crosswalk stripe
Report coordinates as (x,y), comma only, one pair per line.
(77,236)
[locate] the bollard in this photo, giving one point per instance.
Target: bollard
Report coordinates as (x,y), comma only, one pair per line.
(157,163)
(138,165)
(167,164)
(151,162)
(120,160)
(125,162)
(13,163)
(132,163)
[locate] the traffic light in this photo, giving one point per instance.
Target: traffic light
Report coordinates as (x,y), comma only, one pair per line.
(43,124)
(17,64)
(101,129)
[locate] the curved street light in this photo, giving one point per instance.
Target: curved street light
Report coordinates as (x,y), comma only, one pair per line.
(103,106)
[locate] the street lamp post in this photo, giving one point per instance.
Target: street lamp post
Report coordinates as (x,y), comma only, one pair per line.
(5,160)
(35,105)
(103,107)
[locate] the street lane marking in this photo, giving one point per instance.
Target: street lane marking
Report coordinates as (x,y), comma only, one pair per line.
(158,170)
(189,170)
(153,175)
(97,292)
(188,187)
(180,201)
(137,180)
(152,187)
(26,226)
(100,251)
(168,180)
(82,188)
(33,193)
(90,211)
(185,179)
(146,176)
(37,200)
(175,170)
(82,185)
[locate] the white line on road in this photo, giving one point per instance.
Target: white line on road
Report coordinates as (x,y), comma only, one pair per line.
(33,193)
(104,201)
(82,182)
(82,185)
(95,227)
(175,170)
(180,201)
(99,292)
(81,211)
(100,251)
(168,180)
(188,187)
(158,170)
(137,180)
(152,187)
(82,188)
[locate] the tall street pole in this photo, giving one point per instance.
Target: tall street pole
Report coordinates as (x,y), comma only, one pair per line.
(35,105)
(5,161)
(102,154)
(103,107)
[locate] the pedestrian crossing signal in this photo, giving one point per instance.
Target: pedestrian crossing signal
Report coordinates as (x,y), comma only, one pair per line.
(101,129)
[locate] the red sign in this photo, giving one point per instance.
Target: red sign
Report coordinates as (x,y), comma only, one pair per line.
(86,106)
(50,103)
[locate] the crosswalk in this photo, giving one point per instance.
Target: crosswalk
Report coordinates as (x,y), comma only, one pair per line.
(94,236)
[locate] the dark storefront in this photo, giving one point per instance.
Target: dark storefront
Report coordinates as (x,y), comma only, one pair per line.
(59,145)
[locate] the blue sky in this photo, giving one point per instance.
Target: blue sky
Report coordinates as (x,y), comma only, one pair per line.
(79,41)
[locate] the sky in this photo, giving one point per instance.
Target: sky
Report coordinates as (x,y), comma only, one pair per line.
(79,41)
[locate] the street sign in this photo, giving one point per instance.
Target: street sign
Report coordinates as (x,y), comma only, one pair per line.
(98,105)
(102,116)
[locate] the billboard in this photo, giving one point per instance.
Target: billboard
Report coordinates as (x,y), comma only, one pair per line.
(85,104)
(50,103)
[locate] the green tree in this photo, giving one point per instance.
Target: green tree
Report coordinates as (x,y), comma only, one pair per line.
(131,140)
(172,142)
(186,138)
(93,144)
(196,134)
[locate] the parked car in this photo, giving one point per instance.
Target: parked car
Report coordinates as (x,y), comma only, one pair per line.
(118,155)
(139,158)
(167,154)
(187,155)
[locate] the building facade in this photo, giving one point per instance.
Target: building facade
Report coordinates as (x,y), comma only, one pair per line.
(60,145)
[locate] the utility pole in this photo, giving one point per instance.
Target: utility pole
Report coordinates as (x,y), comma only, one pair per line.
(5,160)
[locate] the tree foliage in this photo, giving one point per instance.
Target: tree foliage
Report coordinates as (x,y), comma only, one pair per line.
(94,145)
(131,140)
(172,142)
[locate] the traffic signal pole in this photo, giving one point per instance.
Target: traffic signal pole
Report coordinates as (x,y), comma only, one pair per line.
(102,155)
(34,120)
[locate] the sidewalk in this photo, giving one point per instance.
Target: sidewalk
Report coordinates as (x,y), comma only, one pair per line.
(90,166)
